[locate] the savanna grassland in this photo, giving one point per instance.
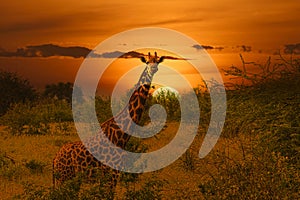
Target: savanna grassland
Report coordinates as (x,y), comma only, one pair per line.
(257,156)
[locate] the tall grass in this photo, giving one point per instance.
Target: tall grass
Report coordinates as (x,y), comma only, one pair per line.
(268,112)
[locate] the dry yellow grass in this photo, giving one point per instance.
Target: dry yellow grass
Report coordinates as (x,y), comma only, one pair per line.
(178,180)
(23,149)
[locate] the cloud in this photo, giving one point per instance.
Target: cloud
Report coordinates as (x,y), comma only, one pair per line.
(132,54)
(171,21)
(116,54)
(219,48)
(50,50)
(245,48)
(207,47)
(292,49)
(200,47)
(47,50)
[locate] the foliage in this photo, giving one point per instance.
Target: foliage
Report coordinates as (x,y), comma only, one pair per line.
(103,109)
(59,91)
(268,112)
(35,166)
(35,118)
(263,176)
(14,89)
(73,189)
(169,100)
(284,141)
(32,192)
(276,94)
(150,190)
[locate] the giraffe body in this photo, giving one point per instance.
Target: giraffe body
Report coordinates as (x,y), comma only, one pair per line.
(74,157)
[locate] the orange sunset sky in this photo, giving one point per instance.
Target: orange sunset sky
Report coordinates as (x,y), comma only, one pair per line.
(256,29)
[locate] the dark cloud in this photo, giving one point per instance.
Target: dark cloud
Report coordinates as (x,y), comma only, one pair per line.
(116,54)
(207,47)
(200,47)
(132,54)
(47,50)
(292,49)
(50,50)
(174,58)
(245,48)
(219,48)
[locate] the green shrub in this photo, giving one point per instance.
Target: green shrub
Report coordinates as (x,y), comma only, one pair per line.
(35,166)
(33,192)
(150,190)
(103,109)
(284,141)
(35,118)
(73,189)
(260,175)
(169,100)
(61,91)
(267,112)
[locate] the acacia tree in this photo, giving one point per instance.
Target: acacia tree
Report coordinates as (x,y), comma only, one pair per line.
(14,89)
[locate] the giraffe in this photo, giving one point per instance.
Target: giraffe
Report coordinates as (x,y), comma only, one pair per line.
(74,157)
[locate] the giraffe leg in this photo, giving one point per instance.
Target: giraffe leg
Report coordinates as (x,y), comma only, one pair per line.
(62,166)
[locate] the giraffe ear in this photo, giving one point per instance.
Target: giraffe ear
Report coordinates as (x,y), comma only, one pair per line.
(161,59)
(143,59)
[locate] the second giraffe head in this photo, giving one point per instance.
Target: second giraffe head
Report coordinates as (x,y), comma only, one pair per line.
(152,62)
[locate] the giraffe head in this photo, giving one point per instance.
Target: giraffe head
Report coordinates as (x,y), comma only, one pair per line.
(152,62)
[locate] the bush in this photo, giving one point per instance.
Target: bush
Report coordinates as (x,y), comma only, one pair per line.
(14,89)
(260,175)
(150,190)
(35,118)
(61,91)
(267,112)
(35,166)
(169,100)
(74,189)
(103,109)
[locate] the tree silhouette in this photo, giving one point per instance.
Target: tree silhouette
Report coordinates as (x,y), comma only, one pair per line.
(14,89)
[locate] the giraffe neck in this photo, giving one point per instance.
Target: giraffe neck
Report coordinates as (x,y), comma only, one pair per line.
(137,101)
(133,110)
